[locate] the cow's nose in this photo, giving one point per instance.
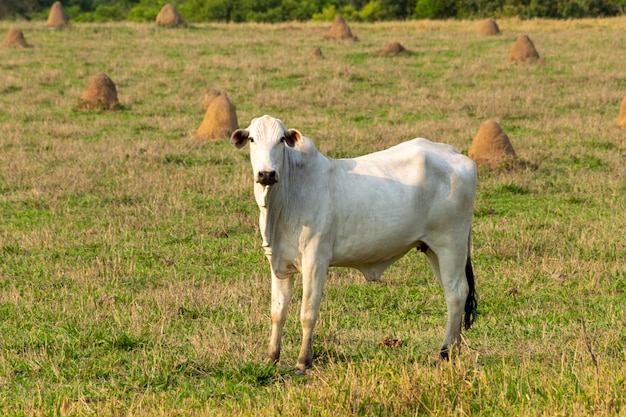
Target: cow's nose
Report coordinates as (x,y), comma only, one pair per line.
(266,177)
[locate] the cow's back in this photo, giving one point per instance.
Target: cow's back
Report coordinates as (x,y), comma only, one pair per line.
(385,202)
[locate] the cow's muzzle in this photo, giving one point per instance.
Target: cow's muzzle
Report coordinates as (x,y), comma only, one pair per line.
(266,177)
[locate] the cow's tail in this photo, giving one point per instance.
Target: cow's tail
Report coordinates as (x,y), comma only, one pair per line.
(470,303)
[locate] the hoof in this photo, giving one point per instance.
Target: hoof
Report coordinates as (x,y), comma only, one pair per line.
(444,354)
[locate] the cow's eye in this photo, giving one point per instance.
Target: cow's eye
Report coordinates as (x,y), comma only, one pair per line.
(251,139)
(282,140)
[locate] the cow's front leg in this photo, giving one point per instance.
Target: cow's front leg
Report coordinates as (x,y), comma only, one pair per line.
(313,277)
(281,296)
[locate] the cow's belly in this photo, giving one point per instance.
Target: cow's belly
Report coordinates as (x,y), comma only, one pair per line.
(369,256)
(375,238)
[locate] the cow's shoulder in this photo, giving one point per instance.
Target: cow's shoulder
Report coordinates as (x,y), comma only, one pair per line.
(305,156)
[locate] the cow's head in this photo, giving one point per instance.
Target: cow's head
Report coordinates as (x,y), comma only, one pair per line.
(268,139)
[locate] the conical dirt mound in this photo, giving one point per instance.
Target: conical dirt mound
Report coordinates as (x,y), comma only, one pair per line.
(621,120)
(523,49)
(210,95)
(317,53)
(394,48)
(489,28)
(100,94)
(15,39)
(220,120)
(491,146)
(168,16)
(57,17)
(339,29)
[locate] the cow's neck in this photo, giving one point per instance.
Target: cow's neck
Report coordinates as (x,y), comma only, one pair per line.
(284,204)
(267,222)
(271,205)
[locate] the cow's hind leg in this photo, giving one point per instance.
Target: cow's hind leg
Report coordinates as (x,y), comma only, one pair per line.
(434,262)
(281,296)
(449,266)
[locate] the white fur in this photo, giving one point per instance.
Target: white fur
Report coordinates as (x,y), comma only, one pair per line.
(363,213)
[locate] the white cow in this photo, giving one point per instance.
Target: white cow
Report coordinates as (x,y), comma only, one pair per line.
(363,213)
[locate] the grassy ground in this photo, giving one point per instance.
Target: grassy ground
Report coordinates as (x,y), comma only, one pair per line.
(131,277)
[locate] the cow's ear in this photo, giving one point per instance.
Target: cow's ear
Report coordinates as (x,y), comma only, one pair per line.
(293,137)
(239,138)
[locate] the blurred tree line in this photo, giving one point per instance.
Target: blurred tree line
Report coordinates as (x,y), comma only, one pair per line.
(290,10)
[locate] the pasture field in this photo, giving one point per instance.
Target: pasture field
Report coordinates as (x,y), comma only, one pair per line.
(132,282)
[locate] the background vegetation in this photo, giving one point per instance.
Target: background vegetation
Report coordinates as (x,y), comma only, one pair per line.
(301,10)
(131,276)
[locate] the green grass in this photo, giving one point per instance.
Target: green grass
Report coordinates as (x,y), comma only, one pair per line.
(131,276)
